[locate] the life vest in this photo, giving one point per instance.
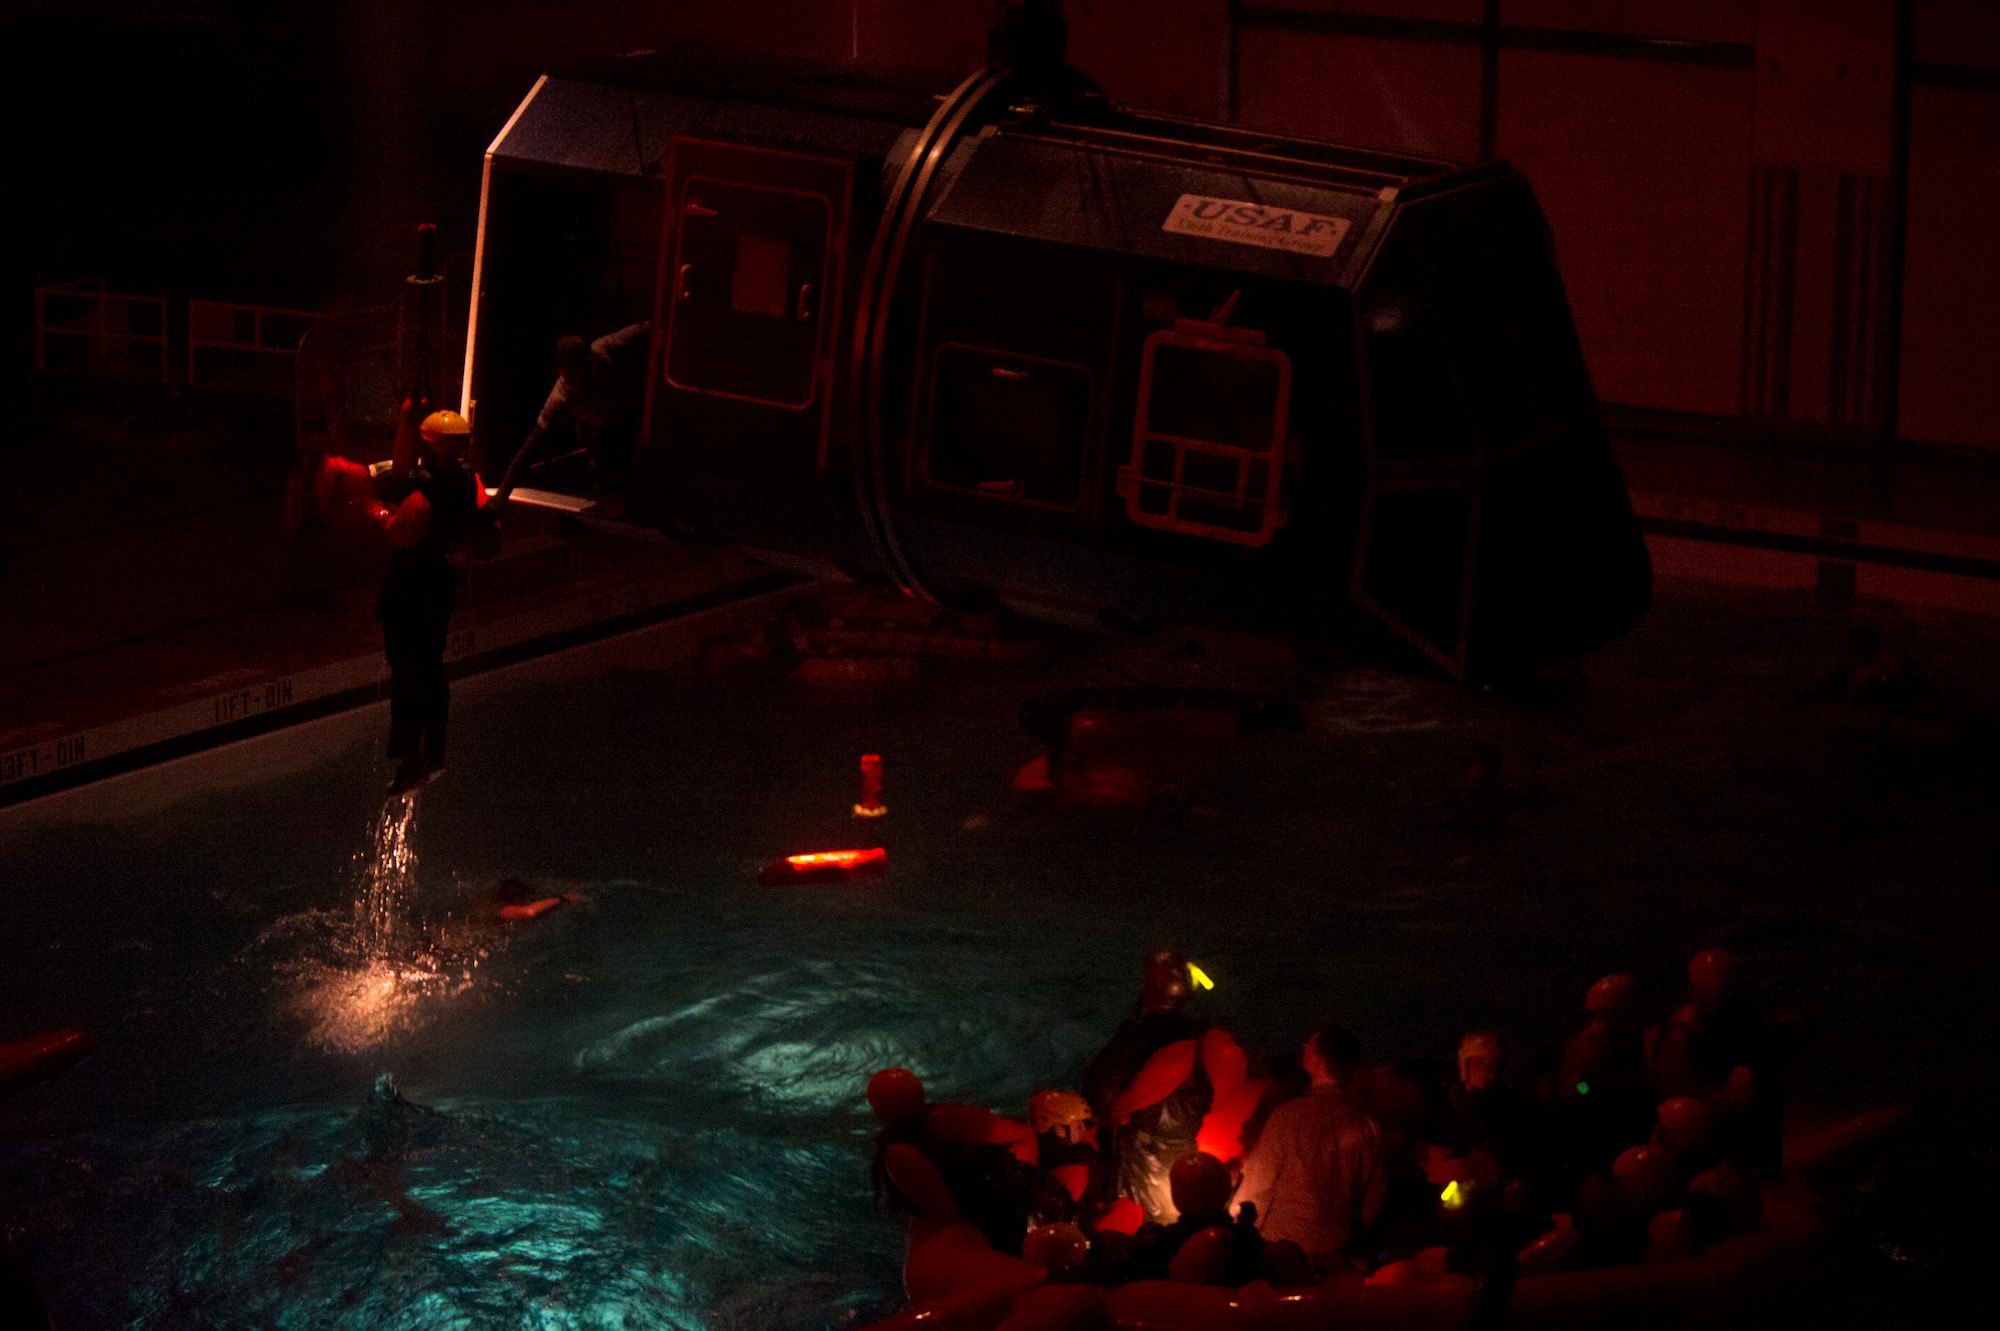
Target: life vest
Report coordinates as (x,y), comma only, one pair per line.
(421,578)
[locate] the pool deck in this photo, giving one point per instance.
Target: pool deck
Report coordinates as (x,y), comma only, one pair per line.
(81,716)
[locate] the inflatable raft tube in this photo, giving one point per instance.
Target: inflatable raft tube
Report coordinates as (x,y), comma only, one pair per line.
(1773,1276)
(1751,1279)
(28,1062)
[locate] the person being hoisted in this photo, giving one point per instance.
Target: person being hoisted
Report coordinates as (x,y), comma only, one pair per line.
(431,506)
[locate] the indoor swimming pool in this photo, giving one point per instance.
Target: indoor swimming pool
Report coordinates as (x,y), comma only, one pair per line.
(333,1087)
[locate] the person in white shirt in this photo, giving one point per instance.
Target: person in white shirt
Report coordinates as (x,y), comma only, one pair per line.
(1316,1174)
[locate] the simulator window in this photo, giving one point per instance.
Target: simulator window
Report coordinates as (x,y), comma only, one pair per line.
(1008,426)
(760,281)
(744,306)
(1208,448)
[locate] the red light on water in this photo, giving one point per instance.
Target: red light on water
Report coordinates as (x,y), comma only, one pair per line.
(826,866)
(837,859)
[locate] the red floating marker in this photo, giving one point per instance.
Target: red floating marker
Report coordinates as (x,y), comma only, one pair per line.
(825,866)
(871,805)
(531,909)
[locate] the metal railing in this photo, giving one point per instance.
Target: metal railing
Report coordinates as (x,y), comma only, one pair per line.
(245,346)
(80,328)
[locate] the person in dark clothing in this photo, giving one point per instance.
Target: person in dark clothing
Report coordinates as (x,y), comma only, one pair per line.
(1486,1114)
(431,507)
(1148,1139)
(594,406)
(986,1161)
(1318,1177)
(1602,1096)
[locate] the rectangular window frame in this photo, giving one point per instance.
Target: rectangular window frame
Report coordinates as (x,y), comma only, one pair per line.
(1083,481)
(1133,481)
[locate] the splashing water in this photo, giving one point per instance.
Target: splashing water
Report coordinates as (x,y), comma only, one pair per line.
(388,878)
(361,977)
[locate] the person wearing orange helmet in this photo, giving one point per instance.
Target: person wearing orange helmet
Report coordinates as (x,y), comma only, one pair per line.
(1205,1245)
(1073,1181)
(430,505)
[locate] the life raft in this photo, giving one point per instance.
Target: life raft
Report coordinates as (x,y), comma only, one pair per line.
(1774,1276)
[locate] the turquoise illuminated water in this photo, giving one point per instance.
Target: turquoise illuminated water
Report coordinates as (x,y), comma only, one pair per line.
(643,1110)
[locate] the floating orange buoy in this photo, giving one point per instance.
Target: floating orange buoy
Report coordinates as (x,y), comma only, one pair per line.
(530,909)
(825,866)
(871,805)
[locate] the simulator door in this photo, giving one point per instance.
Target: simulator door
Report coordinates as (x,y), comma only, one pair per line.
(750,292)
(1414,570)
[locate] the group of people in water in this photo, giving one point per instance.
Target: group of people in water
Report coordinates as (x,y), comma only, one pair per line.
(1179,1159)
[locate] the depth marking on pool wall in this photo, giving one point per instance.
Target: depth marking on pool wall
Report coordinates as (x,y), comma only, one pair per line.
(250,702)
(39,758)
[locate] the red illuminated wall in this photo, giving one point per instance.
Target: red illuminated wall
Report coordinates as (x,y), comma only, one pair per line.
(1166,55)
(1723,205)
(1419,96)
(1642,169)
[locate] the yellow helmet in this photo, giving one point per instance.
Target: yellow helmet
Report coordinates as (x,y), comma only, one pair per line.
(441,423)
(1056,1109)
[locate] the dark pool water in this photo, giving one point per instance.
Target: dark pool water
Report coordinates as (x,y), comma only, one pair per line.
(643,1110)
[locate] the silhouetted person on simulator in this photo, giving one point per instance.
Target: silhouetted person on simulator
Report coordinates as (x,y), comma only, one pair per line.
(430,504)
(593,408)
(1206,1245)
